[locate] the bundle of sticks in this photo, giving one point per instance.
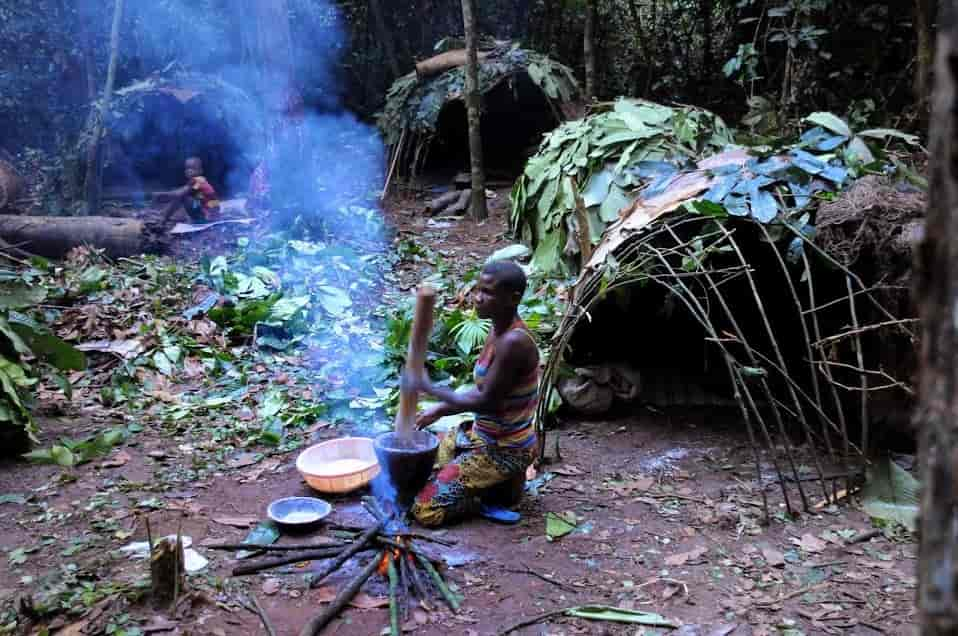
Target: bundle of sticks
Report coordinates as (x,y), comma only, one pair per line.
(411,573)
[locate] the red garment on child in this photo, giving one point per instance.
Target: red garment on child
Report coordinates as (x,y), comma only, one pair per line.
(206,204)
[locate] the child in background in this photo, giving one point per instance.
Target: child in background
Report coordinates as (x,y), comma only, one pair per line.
(197,197)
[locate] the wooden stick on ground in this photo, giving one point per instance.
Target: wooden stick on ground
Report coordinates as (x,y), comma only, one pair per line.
(440,584)
(392,167)
(252,605)
(253,568)
(320,621)
(394,629)
(346,554)
(254,547)
(406,535)
(532,621)
(405,585)
(417,584)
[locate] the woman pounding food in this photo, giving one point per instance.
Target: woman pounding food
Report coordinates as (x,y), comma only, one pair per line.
(498,447)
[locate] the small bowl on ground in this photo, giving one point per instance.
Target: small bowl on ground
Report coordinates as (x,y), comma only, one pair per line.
(298,511)
(339,465)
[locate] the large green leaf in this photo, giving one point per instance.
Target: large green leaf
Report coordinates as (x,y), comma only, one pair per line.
(471,333)
(831,122)
(597,188)
(12,379)
(50,348)
(884,133)
(613,204)
(516,251)
(546,256)
(620,615)
(559,525)
(287,308)
(21,296)
(6,329)
(334,300)
(891,494)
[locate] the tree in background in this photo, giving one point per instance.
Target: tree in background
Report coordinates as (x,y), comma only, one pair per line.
(588,48)
(94,165)
(937,292)
(473,106)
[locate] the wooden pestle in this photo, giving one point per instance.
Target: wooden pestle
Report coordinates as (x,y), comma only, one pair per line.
(416,359)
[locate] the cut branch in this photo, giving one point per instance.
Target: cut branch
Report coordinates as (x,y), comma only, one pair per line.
(318,622)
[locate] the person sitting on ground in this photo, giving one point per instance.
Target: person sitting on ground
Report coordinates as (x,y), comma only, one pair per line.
(496,449)
(197,197)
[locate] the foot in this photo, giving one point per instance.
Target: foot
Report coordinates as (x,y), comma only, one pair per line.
(499,515)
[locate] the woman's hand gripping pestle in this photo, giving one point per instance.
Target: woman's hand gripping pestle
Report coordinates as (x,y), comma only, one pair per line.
(416,359)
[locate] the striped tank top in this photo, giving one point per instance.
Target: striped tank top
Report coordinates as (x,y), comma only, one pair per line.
(510,426)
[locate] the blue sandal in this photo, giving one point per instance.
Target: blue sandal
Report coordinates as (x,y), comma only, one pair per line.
(499,515)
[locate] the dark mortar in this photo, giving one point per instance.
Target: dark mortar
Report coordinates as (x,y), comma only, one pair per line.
(407,462)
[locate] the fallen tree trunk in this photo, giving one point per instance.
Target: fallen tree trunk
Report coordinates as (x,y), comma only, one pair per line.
(441,202)
(54,236)
(443,62)
(461,205)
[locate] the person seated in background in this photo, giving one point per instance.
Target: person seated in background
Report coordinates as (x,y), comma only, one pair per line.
(197,197)
(494,451)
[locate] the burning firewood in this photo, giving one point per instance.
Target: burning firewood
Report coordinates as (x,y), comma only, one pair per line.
(318,622)
(398,562)
(346,554)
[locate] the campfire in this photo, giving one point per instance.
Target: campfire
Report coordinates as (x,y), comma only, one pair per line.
(411,573)
(406,457)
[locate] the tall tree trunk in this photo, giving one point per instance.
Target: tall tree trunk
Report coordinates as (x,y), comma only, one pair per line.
(588,48)
(924,55)
(706,9)
(937,293)
(385,38)
(473,105)
(94,156)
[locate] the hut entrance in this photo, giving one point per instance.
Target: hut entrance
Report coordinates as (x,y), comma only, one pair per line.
(651,333)
(515,115)
(148,145)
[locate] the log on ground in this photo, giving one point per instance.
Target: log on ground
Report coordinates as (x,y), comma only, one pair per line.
(443,62)
(54,236)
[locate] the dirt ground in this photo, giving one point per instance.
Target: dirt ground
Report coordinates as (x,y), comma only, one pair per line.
(667,510)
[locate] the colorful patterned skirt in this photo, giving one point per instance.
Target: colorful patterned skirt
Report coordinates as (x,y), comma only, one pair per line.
(468,467)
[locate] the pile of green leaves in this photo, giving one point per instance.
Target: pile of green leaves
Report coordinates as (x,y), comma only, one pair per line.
(415,105)
(607,156)
(28,352)
(639,149)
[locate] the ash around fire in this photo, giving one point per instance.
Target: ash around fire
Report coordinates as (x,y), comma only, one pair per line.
(664,462)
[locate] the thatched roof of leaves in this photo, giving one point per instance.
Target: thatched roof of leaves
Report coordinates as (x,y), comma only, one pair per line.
(218,98)
(636,161)
(414,104)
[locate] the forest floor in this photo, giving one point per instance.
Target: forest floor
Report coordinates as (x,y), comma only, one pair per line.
(667,510)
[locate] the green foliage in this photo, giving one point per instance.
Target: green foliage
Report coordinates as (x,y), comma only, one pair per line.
(28,351)
(73,452)
(608,155)
(640,151)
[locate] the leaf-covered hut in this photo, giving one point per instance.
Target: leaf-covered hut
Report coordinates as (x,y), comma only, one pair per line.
(154,124)
(698,260)
(524,94)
